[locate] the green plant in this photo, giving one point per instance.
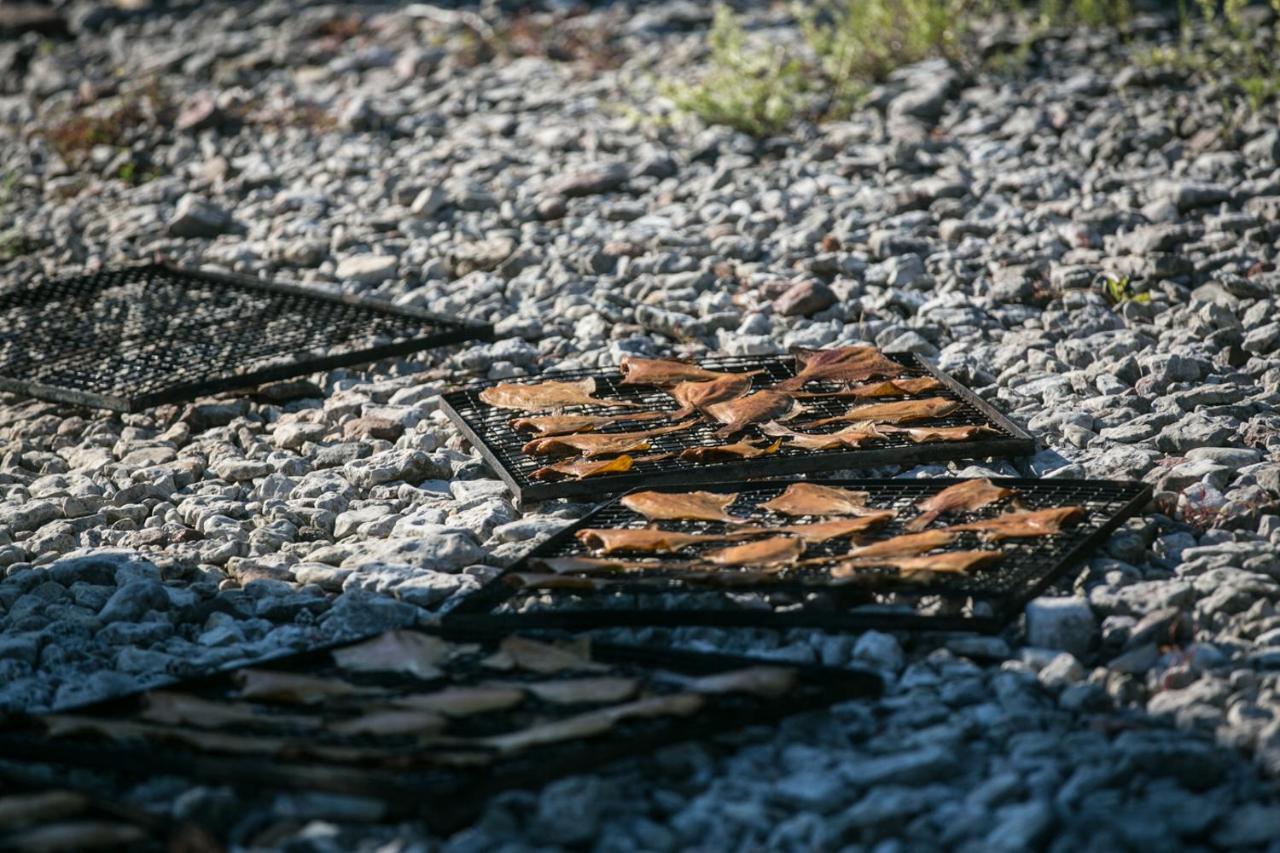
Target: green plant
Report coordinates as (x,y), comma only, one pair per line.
(751,88)
(13,244)
(1120,291)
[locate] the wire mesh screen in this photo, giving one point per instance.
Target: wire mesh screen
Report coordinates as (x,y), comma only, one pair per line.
(490,430)
(809,593)
(429,725)
(134,337)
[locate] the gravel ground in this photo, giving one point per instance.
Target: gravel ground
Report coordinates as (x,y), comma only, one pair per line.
(550,189)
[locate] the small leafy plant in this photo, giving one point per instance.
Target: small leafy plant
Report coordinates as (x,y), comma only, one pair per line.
(752,88)
(1120,290)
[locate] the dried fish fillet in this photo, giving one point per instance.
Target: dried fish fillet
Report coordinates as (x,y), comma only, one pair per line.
(649,540)
(689,506)
(163,706)
(754,408)
(948,562)
(779,549)
(552,394)
(64,725)
(547,425)
(595,722)
(726,452)
(463,701)
(409,652)
(839,528)
(965,497)
(887,388)
(697,396)
(851,436)
(582,469)
(814,499)
(1025,525)
(899,411)
(574,691)
(518,652)
(924,435)
(600,444)
(843,364)
(662,371)
(267,685)
(406,721)
(20,809)
(769,681)
(906,545)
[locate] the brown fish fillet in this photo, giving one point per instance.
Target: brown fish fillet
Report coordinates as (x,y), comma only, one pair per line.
(545,425)
(779,549)
(649,540)
(906,545)
(924,435)
(581,469)
(696,396)
(1025,525)
(269,685)
(843,364)
(949,562)
(599,444)
(887,388)
(661,371)
(517,652)
(851,436)
(813,499)
(896,412)
(690,506)
(408,652)
(966,496)
(728,452)
(576,690)
(594,723)
(838,528)
(758,407)
(540,396)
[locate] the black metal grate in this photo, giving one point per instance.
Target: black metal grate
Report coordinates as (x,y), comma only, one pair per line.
(445,775)
(489,429)
(134,337)
(984,599)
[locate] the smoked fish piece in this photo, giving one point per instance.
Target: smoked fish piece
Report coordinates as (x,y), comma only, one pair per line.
(546,425)
(896,412)
(726,452)
(552,394)
(838,528)
(764,552)
(690,506)
(663,371)
(754,408)
(599,444)
(649,540)
(814,499)
(856,363)
(948,562)
(581,469)
(925,435)
(1026,524)
(887,388)
(906,545)
(965,497)
(851,436)
(697,396)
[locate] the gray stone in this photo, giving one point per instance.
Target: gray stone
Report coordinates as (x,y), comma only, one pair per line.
(198,217)
(1066,624)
